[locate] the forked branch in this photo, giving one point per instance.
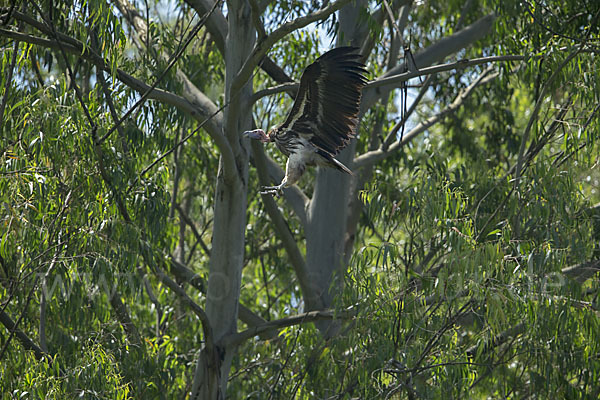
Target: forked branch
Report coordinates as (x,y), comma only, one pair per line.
(262,47)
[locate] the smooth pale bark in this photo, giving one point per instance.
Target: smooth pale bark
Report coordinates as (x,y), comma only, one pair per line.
(227,252)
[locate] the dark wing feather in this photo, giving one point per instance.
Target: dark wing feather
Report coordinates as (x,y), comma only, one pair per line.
(328,100)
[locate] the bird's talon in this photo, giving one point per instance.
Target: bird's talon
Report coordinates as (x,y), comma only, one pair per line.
(272,190)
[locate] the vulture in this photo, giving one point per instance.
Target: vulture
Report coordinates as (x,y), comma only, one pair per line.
(323,118)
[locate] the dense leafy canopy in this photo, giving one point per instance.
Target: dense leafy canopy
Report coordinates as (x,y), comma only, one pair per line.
(468,263)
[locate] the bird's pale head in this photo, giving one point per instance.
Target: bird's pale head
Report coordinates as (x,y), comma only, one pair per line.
(257,134)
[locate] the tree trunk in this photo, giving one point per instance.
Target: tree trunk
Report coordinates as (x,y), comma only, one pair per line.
(227,254)
(328,211)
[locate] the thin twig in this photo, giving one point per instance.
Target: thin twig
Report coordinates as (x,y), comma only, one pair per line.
(192,226)
(371,157)
(392,135)
(536,110)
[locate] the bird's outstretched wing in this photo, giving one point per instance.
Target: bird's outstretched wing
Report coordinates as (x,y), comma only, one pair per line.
(328,100)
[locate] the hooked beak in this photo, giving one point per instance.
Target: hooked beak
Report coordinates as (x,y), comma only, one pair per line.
(257,134)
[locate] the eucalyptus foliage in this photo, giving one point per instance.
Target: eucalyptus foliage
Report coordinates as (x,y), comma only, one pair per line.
(469,264)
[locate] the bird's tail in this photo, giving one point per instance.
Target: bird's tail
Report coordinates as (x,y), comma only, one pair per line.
(335,163)
(329,161)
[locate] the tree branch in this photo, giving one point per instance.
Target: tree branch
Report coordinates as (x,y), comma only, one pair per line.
(190,90)
(582,272)
(434,53)
(8,82)
(192,226)
(211,122)
(260,29)
(216,23)
(125,320)
(27,343)
(262,47)
(394,81)
(393,133)
(290,88)
(536,110)
(217,26)
(185,274)
(237,338)
(280,225)
(374,156)
(199,311)
(497,340)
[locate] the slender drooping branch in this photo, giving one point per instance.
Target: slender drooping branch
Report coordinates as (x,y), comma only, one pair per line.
(140,25)
(210,121)
(216,23)
(536,110)
(389,139)
(197,101)
(8,82)
(188,221)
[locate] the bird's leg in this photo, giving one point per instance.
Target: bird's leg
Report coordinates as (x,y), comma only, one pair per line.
(293,172)
(275,190)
